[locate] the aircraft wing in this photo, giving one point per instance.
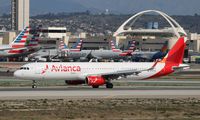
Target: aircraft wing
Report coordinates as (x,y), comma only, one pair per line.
(123,73)
(6,49)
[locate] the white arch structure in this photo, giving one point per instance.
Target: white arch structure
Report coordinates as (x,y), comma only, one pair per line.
(177,29)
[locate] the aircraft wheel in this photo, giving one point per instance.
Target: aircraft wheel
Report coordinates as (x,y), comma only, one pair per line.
(34,84)
(95,86)
(109,85)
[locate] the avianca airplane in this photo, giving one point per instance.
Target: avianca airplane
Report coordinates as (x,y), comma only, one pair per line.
(96,74)
(20,46)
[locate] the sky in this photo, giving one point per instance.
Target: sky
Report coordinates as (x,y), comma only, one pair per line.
(172,7)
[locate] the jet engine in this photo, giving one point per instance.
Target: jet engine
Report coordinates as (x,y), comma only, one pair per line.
(95,81)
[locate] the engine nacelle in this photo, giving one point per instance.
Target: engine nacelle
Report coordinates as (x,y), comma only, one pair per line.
(74,82)
(95,80)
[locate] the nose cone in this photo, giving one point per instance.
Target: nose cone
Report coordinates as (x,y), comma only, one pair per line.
(17,74)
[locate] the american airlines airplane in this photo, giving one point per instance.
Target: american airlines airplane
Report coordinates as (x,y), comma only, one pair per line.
(150,55)
(97,74)
(76,52)
(139,56)
(20,46)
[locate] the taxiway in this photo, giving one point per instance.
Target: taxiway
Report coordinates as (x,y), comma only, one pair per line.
(86,92)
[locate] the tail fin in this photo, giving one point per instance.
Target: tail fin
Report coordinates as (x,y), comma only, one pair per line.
(131,46)
(130,50)
(78,45)
(160,54)
(21,39)
(113,46)
(175,55)
(34,40)
(62,45)
(164,48)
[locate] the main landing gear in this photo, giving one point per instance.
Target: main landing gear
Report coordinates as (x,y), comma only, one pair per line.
(95,86)
(109,85)
(34,84)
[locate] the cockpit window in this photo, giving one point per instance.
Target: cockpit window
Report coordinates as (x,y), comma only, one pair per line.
(24,68)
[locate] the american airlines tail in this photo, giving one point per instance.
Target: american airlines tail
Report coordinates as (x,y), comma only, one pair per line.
(113,46)
(160,54)
(62,45)
(76,47)
(128,52)
(34,41)
(21,40)
(164,48)
(131,46)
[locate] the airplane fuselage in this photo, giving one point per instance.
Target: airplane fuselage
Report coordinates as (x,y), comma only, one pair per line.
(8,51)
(79,71)
(101,54)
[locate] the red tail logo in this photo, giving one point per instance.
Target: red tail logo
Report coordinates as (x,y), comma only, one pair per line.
(176,54)
(173,59)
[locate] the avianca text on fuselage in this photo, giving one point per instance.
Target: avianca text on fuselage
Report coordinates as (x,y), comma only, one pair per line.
(61,68)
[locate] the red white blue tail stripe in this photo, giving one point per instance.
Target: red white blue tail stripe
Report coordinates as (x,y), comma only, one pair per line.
(132,46)
(21,40)
(62,45)
(113,46)
(130,50)
(34,40)
(76,47)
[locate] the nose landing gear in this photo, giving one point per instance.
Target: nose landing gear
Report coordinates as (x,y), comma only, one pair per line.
(34,84)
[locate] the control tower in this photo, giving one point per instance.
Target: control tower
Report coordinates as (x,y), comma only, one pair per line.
(20,14)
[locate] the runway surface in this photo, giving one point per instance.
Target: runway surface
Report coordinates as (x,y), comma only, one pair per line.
(87,92)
